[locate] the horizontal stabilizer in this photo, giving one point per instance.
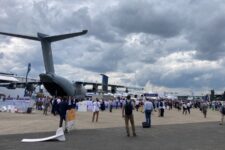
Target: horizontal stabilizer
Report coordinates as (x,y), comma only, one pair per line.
(64,36)
(21,36)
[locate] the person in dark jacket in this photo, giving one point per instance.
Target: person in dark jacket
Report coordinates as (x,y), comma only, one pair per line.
(102,105)
(63,107)
(54,106)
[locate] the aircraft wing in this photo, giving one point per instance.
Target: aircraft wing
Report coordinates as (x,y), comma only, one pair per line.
(87,83)
(112,85)
(23,83)
(14,85)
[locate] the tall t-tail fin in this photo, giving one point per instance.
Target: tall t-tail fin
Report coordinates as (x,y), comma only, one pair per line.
(46,45)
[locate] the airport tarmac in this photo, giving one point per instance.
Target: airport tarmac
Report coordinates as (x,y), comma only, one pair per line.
(174,131)
(14,123)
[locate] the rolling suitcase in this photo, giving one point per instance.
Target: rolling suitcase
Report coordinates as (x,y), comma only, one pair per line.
(145,125)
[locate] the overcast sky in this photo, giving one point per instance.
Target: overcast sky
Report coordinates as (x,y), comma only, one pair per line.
(164,45)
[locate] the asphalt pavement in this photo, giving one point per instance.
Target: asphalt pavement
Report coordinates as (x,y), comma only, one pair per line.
(189,136)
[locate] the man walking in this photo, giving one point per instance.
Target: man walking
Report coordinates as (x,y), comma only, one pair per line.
(46,104)
(161,108)
(110,105)
(148,107)
(63,107)
(204,109)
(127,113)
(222,111)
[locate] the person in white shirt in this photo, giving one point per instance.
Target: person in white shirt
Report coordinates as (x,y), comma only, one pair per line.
(58,100)
(148,107)
(96,106)
(110,105)
(189,107)
(137,102)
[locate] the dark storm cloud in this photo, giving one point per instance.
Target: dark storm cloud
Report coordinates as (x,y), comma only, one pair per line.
(102,30)
(205,28)
(210,43)
(1,55)
(106,61)
(143,16)
(95,56)
(124,36)
(71,21)
(17,61)
(55,20)
(200,22)
(18,17)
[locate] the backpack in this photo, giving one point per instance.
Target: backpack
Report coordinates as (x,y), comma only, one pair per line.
(161,104)
(102,106)
(128,108)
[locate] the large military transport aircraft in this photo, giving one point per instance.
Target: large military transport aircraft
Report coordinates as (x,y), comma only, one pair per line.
(57,85)
(54,84)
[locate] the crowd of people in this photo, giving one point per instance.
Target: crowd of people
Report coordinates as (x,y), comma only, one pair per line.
(59,106)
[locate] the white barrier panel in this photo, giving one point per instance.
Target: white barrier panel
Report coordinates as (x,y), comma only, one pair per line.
(58,136)
(16,105)
(82,106)
(89,105)
(3,108)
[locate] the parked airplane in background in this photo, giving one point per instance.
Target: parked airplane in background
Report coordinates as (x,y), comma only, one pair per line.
(7,78)
(54,84)
(57,85)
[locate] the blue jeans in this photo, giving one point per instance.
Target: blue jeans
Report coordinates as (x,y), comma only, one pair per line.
(148,116)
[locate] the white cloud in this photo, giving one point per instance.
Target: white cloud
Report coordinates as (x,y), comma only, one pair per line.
(173,46)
